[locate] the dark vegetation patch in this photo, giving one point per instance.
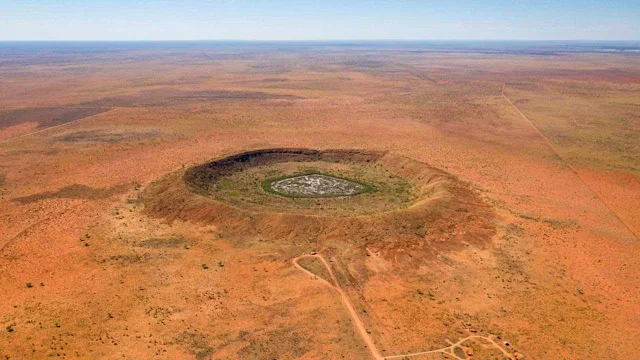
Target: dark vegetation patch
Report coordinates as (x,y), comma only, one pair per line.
(277,344)
(164,97)
(463,112)
(3,178)
(34,152)
(196,344)
(459,352)
(47,116)
(171,242)
(128,259)
(271,68)
(272,80)
(58,115)
(363,63)
(592,75)
(316,266)
(106,137)
(75,191)
(556,223)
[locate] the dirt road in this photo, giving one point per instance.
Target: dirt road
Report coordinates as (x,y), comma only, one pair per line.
(366,337)
(347,303)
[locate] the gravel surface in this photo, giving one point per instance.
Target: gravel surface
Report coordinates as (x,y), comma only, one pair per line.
(316,185)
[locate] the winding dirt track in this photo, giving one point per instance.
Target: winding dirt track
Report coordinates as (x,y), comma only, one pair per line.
(449,350)
(373,350)
(345,299)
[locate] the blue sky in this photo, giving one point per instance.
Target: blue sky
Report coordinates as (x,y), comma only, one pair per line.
(318,20)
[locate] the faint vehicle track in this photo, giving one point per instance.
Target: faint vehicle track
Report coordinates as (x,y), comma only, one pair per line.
(28,228)
(570,167)
(56,126)
(450,350)
(373,350)
(347,303)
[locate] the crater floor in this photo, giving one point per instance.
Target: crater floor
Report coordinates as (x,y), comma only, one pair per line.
(315,185)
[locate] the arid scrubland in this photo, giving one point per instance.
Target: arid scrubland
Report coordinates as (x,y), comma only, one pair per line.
(106,252)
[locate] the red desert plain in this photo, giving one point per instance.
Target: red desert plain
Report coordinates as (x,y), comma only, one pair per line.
(319,201)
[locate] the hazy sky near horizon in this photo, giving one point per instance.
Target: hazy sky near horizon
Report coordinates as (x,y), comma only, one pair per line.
(318,20)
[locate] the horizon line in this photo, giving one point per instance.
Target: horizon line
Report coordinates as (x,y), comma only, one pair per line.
(317,40)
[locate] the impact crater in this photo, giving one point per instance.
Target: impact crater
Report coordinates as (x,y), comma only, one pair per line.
(369,201)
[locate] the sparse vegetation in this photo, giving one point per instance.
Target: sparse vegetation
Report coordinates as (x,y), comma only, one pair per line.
(439,251)
(168,242)
(316,267)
